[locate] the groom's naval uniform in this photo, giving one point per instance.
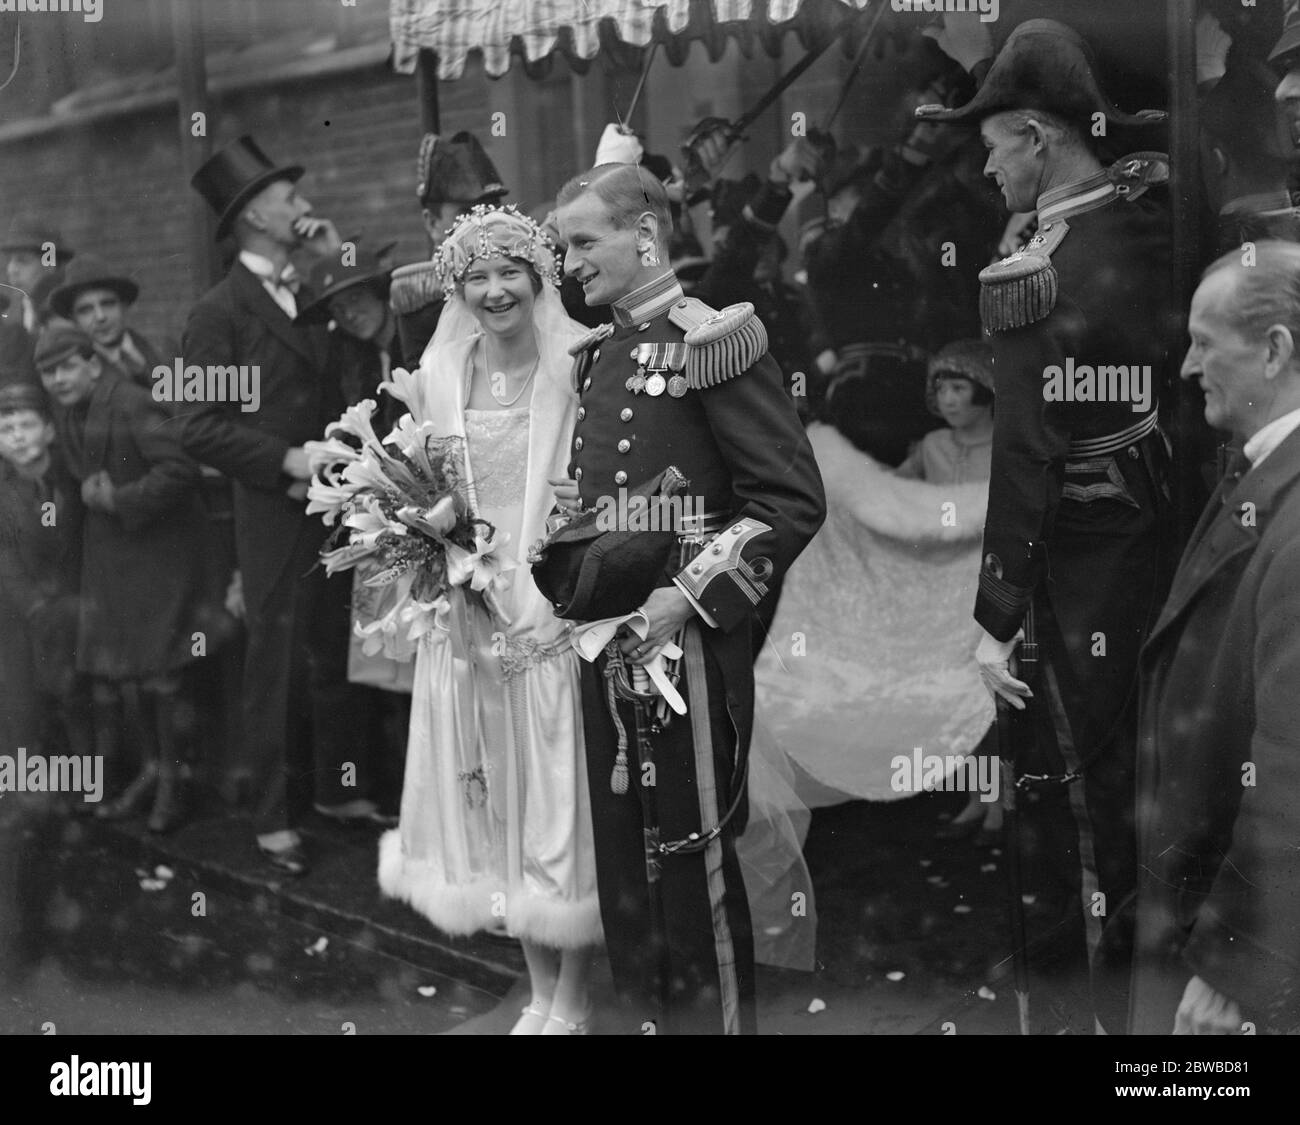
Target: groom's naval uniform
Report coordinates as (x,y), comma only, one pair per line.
(672,383)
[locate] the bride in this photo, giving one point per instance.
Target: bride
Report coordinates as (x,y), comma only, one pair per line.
(495,821)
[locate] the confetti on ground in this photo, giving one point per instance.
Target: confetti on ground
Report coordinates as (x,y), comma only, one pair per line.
(162,871)
(319,946)
(427,989)
(961,908)
(816,1006)
(895,975)
(141,873)
(985,868)
(995,851)
(1029,900)
(926,862)
(986,993)
(149,884)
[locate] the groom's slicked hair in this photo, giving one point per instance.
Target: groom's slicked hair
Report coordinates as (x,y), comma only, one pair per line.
(627,190)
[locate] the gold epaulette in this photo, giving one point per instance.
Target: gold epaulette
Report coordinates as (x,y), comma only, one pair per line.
(719,344)
(1022,289)
(589,339)
(414,287)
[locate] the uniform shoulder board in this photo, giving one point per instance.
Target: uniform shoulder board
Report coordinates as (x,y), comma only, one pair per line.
(590,339)
(1022,288)
(719,344)
(414,287)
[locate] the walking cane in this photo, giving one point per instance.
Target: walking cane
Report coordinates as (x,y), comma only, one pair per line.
(1012,726)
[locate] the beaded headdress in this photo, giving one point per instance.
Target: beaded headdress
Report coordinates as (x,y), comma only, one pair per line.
(486,232)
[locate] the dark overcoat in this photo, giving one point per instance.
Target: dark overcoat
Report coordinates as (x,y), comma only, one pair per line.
(1219,761)
(142,575)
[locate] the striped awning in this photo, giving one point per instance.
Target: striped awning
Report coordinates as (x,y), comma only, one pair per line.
(533,30)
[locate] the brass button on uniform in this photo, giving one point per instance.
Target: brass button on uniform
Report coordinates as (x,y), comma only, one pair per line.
(582,413)
(1133,452)
(624,415)
(595,355)
(586,386)
(620,477)
(577,473)
(577,443)
(623,446)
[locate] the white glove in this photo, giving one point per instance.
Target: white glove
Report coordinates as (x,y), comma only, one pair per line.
(618,145)
(1212,44)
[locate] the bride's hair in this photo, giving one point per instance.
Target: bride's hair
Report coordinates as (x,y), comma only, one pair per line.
(486,232)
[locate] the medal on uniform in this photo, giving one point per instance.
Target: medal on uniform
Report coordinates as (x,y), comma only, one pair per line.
(677,386)
(641,353)
(655,385)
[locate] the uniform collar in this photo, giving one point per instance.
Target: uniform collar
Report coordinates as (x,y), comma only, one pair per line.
(1074,199)
(648,301)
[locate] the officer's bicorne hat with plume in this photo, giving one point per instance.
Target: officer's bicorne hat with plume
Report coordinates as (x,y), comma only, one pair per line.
(456,171)
(1047,66)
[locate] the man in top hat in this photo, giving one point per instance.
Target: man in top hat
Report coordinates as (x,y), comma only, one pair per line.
(297,622)
(674,383)
(454,175)
(1077,499)
(98,300)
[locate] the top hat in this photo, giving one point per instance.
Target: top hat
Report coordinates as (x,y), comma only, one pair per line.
(1290,40)
(231,177)
(57,341)
(26,233)
(90,272)
(971,359)
(456,171)
(1046,66)
(328,278)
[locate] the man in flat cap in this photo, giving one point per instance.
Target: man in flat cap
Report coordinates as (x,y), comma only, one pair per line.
(1080,326)
(296,623)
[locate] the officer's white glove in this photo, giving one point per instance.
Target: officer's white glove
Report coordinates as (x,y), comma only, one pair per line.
(618,145)
(994,658)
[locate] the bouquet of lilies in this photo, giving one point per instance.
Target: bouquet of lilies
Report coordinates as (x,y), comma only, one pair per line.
(401,516)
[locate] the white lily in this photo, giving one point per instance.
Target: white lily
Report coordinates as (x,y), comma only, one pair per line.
(405,386)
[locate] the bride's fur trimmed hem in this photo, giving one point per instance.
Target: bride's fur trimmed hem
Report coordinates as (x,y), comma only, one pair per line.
(459,910)
(553,922)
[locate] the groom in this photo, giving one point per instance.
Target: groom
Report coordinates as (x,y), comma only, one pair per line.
(671,382)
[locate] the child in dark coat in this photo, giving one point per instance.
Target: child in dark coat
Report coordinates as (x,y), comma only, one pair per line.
(142,567)
(42,700)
